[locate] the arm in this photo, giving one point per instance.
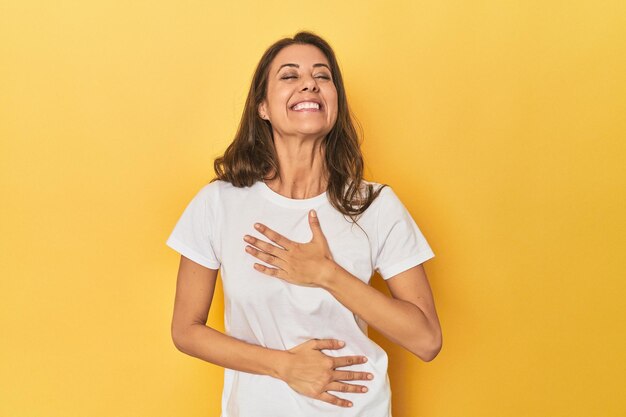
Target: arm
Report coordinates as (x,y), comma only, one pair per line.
(304,368)
(194,292)
(408,318)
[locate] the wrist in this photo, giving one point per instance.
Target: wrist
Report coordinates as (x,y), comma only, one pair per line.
(329,271)
(279,362)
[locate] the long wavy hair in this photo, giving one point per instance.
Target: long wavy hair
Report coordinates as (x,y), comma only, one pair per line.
(252,156)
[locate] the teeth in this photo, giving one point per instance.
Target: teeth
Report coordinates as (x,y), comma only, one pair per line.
(306,105)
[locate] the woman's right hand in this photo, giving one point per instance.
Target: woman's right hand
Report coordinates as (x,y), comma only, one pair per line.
(312,373)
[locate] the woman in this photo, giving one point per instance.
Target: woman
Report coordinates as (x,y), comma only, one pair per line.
(297,233)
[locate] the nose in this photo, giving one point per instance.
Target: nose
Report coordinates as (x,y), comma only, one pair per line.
(310,84)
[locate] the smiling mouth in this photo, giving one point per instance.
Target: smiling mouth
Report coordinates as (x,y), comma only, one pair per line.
(306,105)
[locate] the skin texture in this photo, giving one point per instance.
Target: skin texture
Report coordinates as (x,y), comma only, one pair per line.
(288,85)
(408,318)
(298,135)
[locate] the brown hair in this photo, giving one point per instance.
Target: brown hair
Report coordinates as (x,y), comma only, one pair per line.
(251,156)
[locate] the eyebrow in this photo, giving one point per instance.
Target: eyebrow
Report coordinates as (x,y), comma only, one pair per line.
(298,66)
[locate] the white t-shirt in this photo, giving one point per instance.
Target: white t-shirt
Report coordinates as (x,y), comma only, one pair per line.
(273,313)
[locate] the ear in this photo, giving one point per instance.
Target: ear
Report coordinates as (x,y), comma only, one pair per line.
(262,110)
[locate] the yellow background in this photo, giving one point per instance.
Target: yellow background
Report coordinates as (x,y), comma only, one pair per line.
(500,124)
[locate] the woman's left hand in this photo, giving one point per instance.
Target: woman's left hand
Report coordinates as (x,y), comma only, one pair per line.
(307,264)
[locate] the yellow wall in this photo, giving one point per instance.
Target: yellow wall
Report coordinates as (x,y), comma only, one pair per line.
(500,124)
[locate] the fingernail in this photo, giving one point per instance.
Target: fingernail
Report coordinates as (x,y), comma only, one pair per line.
(349,404)
(313,213)
(370,376)
(364,389)
(341,343)
(364,359)
(256,225)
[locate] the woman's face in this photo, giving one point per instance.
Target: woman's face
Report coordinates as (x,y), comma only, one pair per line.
(301,96)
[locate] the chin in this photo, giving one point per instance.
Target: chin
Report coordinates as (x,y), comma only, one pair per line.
(312,130)
(313,133)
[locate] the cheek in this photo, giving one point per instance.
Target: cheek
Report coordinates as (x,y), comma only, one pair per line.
(277,99)
(332,98)
(335,108)
(279,103)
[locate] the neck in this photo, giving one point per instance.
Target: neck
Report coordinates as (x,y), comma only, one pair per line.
(301,162)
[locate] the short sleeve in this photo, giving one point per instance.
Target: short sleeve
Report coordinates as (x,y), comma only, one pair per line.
(400,243)
(193,235)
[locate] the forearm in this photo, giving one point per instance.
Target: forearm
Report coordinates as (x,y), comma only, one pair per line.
(210,345)
(400,321)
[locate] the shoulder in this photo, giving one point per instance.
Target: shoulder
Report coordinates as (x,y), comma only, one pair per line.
(210,194)
(386,194)
(223,193)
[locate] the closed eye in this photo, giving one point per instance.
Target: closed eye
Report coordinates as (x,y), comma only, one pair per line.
(288,77)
